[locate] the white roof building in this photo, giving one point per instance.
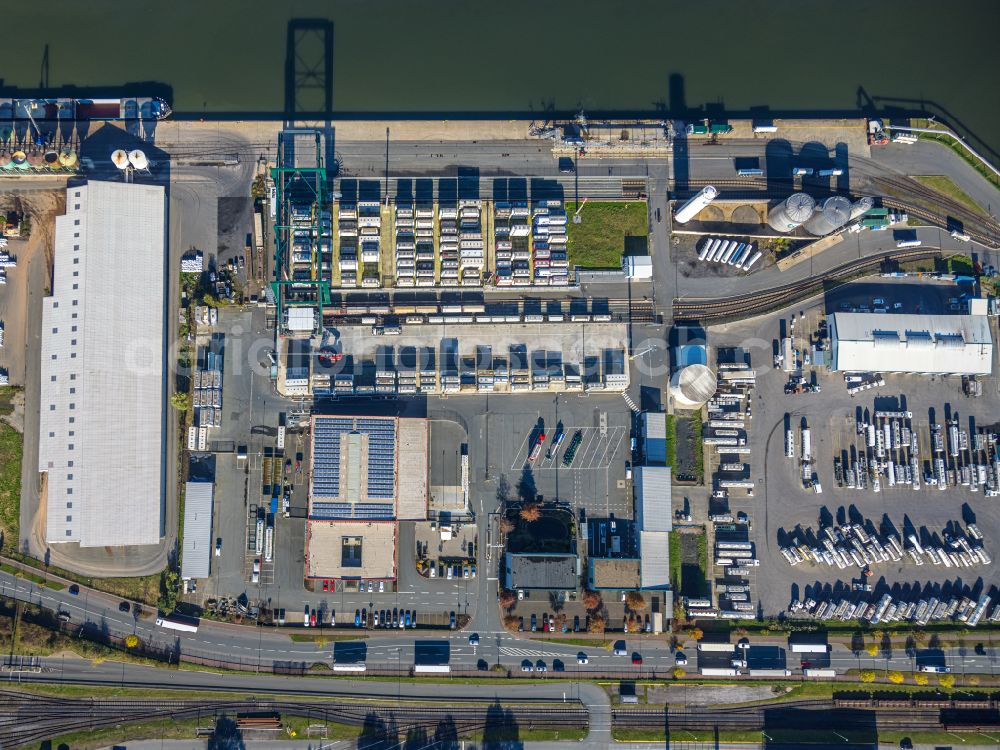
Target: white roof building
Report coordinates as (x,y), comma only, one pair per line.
(103,418)
(654,521)
(196,556)
(932,344)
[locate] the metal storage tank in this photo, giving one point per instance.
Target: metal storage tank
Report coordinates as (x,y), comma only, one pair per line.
(691,209)
(791,212)
(861,206)
(831,215)
(692,386)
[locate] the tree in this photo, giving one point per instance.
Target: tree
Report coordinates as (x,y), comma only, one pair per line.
(530,512)
(633,624)
(510,622)
(972,679)
(696,634)
(507,525)
(871,649)
(635,601)
(920,678)
(591,600)
(896,678)
(131,641)
(919,637)
(507,599)
(867,675)
(597,624)
(179,401)
(947,681)
(678,673)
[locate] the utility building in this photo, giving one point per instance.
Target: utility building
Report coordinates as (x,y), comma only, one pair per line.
(103,420)
(925,344)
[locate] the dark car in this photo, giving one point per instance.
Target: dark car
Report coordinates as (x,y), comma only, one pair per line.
(74,589)
(520,624)
(558,665)
(576,623)
(124,607)
(453,621)
(534,623)
(566,165)
(482,665)
(637,659)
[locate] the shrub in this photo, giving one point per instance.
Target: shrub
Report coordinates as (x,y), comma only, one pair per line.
(920,678)
(896,678)
(867,675)
(635,601)
(131,641)
(507,599)
(696,634)
(510,622)
(597,624)
(506,525)
(947,681)
(530,512)
(591,600)
(678,673)
(871,649)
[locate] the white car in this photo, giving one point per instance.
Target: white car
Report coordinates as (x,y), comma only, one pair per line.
(218,547)
(381,587)
(581,658)
(434,571)
(255,576)
(449,573)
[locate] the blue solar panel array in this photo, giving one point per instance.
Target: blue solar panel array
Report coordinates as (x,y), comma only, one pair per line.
(359,511)
(381,466)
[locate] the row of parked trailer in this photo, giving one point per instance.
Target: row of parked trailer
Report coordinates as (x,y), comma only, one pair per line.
(739,255)
(851,545)
(888,455)
(889,609)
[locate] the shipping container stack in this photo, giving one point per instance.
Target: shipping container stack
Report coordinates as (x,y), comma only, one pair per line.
(347,235)
(549,243)
(470,241)
(520,240)
(448,245)
(370,231)
(301,261)
(405,246)
(424,244)
(207,399)
(503,247)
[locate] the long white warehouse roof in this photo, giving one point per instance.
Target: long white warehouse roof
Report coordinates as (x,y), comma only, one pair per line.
(102,421)
(196,556)
(946,344)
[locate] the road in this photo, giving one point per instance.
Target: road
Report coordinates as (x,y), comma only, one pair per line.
(390,652)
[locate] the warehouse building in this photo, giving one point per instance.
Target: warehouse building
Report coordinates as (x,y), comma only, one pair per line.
(196,556)
(919,344)
(652,488)
(103,417)
(368,473)
(549,571)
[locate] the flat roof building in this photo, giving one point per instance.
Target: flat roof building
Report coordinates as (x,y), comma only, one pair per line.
(653,518)
(196,556)
(548,571)
(103,417)
(925,344)
(368,473)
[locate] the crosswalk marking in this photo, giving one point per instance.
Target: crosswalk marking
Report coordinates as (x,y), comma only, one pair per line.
(630,402)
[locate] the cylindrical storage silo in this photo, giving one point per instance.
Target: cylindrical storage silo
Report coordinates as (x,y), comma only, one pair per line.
(691,209)
(831,215)
(791,212)
(692,386)
(861,206)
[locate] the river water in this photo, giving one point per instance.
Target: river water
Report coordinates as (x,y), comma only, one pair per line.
(523,57)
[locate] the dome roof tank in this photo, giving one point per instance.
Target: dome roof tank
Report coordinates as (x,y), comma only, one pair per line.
(791,213)
(832,214)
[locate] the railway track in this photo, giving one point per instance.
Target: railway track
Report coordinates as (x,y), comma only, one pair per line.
(713,310)
(31,718)
(899,192)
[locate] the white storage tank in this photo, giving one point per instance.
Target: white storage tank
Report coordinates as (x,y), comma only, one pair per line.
(830,216)
(692,386)
(792,212)
(694,206)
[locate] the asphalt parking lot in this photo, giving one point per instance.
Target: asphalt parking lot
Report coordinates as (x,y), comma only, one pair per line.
(594,481)
(781,503)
